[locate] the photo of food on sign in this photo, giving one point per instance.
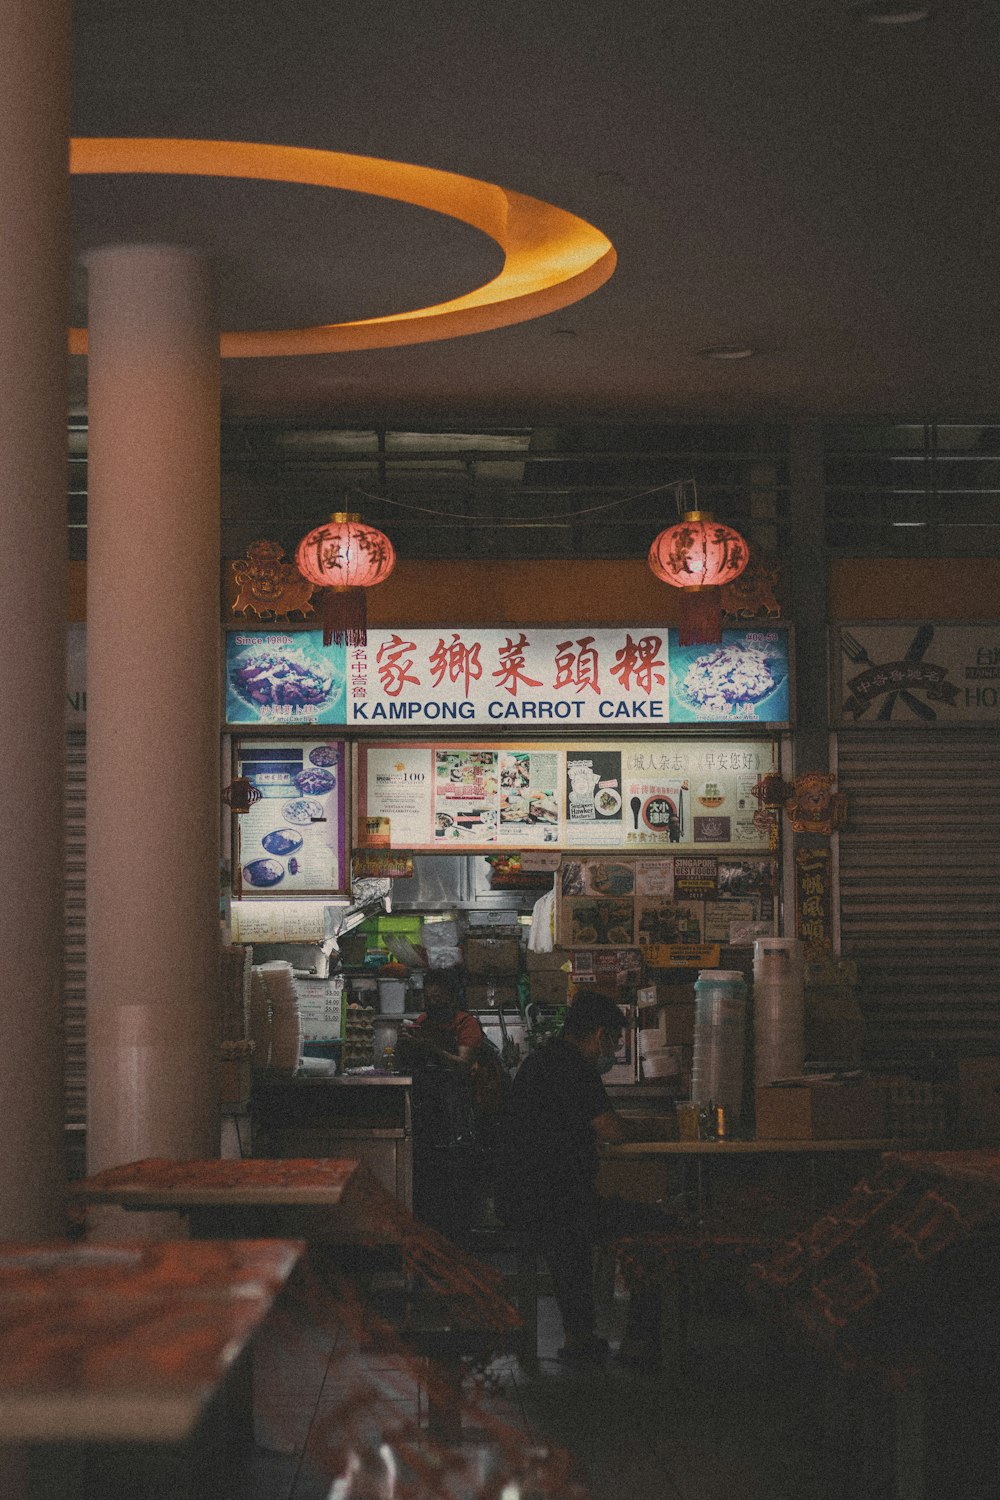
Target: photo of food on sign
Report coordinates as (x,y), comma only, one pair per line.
(598,877)
(590,922)
(276,678)
(743,679)
(593,786)
(671,922)
(291,838)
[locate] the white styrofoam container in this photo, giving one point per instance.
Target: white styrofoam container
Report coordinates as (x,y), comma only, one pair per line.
(392,997)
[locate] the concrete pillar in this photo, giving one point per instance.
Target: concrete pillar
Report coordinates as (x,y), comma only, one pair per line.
(34,279)
(153,809)
(808,569)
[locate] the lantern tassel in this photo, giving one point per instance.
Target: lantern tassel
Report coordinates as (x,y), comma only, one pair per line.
(700,622)
(345,617)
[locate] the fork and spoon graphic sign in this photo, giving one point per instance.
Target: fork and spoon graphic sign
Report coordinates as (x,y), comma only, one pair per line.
(856,652)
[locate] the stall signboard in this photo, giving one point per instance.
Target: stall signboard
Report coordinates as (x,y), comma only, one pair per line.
(636,796)
(627,676)
(293,839)
(921,675)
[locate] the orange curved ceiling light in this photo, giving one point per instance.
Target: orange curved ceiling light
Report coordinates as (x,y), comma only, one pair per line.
(551,258)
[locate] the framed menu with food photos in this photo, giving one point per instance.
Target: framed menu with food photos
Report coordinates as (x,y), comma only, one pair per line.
(654,797)
(292,841)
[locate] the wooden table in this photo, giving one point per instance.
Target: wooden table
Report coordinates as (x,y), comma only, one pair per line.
(704,1155)
(126,1366)
(324,1201)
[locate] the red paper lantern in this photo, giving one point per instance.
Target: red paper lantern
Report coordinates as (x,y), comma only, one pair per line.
(698,556)
(344,557)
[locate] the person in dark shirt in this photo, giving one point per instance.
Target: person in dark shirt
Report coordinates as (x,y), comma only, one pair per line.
(444,1050)
(557,1114)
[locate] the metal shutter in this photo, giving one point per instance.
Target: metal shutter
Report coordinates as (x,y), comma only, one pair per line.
(75,973)
(919,874)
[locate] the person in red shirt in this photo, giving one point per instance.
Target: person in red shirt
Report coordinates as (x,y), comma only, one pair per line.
(443,1031)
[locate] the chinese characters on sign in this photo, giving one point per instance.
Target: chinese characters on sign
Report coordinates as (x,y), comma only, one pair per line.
(813,897)
(628,676)
(919,675)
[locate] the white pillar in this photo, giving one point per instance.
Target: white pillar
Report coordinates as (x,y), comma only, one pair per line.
(153,808)
(34,278)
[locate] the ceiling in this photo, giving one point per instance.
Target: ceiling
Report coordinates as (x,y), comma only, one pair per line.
(783,175)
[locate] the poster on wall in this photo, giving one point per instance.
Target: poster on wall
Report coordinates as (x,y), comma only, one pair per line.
(814,897)
(682,902)
(636,796)
(521,678)
(921,675)
(399,794)
(292,840)
(593,798)
(466,784)
(687,793)
(597,903)
(529,798)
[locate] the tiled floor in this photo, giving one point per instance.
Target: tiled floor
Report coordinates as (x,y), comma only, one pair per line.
(731,1427)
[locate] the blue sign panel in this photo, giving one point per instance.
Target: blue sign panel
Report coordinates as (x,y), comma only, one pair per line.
(742,680)
(284,677)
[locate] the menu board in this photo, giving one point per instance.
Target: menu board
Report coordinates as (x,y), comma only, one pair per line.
(644,902)
(292,840)
(627,676)
(638,795)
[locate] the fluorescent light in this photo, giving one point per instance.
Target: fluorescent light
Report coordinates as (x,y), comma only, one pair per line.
(894,15)
(727,351)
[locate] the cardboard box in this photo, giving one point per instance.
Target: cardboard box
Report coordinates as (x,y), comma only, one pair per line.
(491,994)
(492,955)
(820,1112)
(673,1024)
(549,987)
(541,962)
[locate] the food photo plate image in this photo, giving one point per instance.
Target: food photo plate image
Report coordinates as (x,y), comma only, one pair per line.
(743,679)
(283,678)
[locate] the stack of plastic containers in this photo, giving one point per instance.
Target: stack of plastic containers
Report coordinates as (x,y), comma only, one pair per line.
(277,990)
(778,1008)
(719,1031)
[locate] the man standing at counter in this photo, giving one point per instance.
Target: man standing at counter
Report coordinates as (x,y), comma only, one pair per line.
(557,1114)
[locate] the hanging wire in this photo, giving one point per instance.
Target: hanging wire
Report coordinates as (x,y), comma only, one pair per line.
(680,488)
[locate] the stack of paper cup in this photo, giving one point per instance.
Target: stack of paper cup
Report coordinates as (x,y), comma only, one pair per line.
(719,1023)
(286,1025)
(778,1008)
